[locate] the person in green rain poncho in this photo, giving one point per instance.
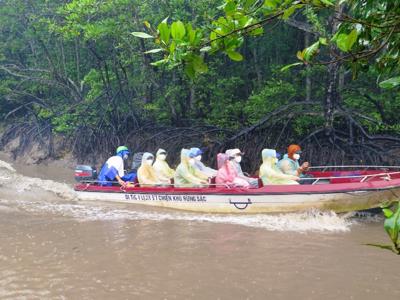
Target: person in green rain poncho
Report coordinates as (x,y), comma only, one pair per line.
(270,172)
(186,175)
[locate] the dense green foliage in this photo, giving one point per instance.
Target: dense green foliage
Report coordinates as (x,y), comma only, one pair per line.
(78,69)
(392,226)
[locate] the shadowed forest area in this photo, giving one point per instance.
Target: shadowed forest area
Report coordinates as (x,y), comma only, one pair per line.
(74,79)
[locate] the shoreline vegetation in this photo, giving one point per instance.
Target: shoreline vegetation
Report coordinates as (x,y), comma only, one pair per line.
(75,82)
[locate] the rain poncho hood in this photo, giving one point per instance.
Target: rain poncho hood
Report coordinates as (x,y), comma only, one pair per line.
(227,173)
(221,159)
(162,169)
(268,153)
(186,175)
(146,174)
(269,171)
(231,153)
(193,152)
(200,167)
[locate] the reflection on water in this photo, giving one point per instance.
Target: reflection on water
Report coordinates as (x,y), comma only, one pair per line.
(53,246)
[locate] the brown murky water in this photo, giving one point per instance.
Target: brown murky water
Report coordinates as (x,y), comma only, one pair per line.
(53,246)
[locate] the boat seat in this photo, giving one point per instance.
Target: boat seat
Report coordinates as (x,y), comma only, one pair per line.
(212,181)
(323,181)
(260,183)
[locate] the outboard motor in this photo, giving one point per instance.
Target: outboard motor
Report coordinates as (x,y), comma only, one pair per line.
(136,161)
(85,173)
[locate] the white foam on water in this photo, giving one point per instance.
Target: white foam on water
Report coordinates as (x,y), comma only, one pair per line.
(62,202)
(314,221)
(12,182)
(6,166)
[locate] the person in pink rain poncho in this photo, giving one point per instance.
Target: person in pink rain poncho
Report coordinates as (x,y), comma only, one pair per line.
(227,172)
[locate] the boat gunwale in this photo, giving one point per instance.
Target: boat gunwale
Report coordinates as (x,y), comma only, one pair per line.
(265,190)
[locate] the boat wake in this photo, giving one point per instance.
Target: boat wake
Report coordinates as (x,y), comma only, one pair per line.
(17,186)
(38,196)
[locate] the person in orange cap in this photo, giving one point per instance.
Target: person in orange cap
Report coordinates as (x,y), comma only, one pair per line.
(290,162)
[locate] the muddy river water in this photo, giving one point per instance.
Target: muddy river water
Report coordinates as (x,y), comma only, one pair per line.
(54,246)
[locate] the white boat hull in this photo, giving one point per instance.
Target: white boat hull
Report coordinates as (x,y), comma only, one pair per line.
(251,203)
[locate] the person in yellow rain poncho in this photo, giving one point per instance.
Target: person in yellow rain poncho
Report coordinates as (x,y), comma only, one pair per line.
(186,175)
(270,172)
(163,171)
(146,173)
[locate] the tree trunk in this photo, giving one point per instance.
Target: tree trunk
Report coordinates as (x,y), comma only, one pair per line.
(332,96)
(308,75)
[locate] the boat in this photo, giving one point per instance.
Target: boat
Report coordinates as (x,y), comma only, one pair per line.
(332,188)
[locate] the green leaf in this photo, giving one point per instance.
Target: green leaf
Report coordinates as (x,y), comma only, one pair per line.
(159,62)
(323,41)
(205,49)
(147,24)
(172,47)
(142,35)
(257,31)
(178,30)
(300,55)
(230,8)
(198,64)
(290,66)
(164,32)
(346,41)
(248,3)
(341,41)
(189,70)
(191,33)
(289,11)
(154,50)
(311,51)
(327,3)
(387,212)
(351,39)
(236,56)
(271,4)
(390,83)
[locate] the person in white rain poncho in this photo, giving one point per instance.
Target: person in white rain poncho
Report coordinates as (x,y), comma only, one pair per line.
(236,156)
(196,154)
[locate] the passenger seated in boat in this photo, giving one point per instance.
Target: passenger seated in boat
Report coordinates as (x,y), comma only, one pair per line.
(186,175)
(198,165)
(269,171)
(113,169)
(290,165)
(227,172)
(146,174)
(290,162)
(163,171)
(236,158)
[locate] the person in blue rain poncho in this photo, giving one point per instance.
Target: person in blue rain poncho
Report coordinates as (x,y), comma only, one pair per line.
(195,153)
(113,169)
